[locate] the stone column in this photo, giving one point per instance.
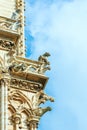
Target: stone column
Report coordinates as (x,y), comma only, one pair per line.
(6,104)
(16,120)
(33,123)
(2,105)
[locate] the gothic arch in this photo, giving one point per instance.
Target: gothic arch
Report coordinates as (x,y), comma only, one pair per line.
(19,96)
(27,111)
(11,108)
(11,111)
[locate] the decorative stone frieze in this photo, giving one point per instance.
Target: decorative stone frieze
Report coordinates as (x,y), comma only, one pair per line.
(26,85)
(7,44)
(24,65)
(8,24)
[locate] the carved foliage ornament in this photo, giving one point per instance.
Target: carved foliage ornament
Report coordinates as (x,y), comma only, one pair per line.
(10,25)
(7,44)
(29,86)
(5,25)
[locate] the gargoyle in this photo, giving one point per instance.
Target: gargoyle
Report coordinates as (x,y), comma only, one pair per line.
(43,58)
(45,63)
(40,111)
(39,98)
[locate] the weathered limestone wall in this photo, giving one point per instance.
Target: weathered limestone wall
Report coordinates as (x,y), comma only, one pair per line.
(7,7)
(13,22)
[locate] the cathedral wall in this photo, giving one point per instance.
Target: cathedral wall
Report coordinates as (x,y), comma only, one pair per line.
(7,7)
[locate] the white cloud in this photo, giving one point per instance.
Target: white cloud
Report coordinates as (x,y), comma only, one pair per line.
(60,27)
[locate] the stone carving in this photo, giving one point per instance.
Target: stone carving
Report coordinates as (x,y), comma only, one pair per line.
(29,86)
(7,44)
(40,111)
(5,25)
(3,69)
(15,15)
(16,118)
(39,67)
(43,58)
(23,67)
(19,101)
(40,97)
(37,99)
(45,63)
(15,25)
(33,110)
(14,96)
(17,67)
(1,61)
(10,25)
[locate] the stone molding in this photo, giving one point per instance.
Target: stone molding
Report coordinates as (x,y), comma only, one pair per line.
(26,85)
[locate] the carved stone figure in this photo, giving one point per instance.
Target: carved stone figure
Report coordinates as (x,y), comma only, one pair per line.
(45,63)
(43,69)
(40,97)
(6,44)
(40,111)
(43,58)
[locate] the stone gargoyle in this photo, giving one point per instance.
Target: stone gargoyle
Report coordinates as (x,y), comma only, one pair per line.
(40,111)
(45,63)
(40,97)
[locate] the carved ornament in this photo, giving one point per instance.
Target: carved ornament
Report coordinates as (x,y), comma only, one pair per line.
(27,67)
(40,97)
(7,44)
(9,24)
(46,64)
(27,86)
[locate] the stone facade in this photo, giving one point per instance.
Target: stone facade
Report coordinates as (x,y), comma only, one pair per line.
(22,81)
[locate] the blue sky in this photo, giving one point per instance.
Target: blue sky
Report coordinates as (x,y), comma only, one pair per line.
(60,27)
